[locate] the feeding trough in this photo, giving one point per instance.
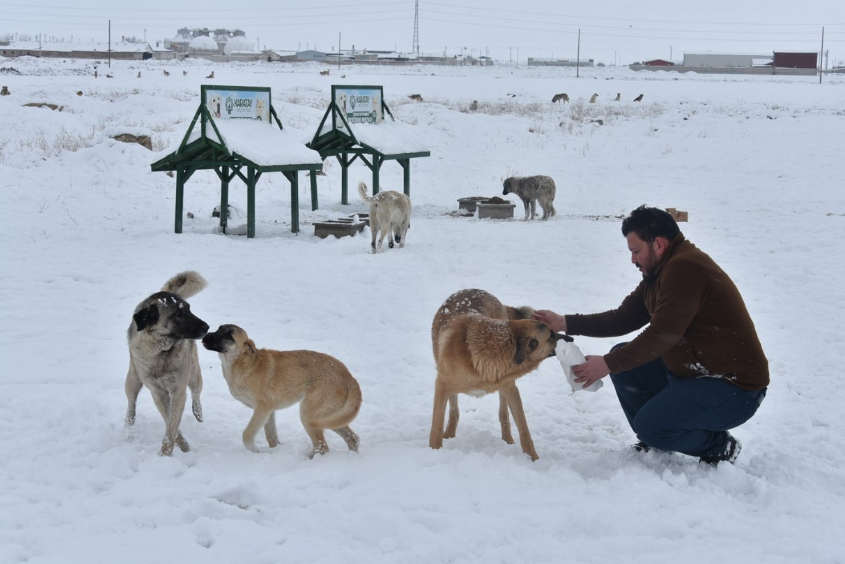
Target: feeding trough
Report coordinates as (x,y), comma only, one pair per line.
(468,204)
(341,227)
(495,208)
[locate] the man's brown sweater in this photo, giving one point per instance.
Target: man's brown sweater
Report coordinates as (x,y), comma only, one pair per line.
(697,323)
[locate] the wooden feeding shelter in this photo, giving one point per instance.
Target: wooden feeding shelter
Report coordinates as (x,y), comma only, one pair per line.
(354,127)
(237,133)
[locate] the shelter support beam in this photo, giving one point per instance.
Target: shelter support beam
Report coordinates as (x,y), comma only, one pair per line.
(406,174)
(180,195)
(250,203)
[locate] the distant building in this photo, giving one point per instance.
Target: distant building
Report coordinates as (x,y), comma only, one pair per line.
(785,60)
(720,60)
(659,63)
(206,41)
(532,62)
(123,50)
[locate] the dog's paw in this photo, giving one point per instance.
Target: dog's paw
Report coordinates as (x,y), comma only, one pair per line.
(251,446)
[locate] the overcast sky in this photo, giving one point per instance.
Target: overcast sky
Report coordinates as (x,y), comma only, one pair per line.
(621,31)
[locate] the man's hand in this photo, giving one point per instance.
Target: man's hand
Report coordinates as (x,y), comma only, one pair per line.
(554,321)
(591,371)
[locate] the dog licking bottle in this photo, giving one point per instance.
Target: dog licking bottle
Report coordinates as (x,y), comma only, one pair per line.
(570,355)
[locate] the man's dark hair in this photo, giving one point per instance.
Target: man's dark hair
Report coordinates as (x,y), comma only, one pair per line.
(650,223)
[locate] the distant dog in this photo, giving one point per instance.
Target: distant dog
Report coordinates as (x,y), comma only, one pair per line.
(533,189)
(618,97)
(481,346)
(184,73)
(390,214)
(166,73)
(638,98)
(325,72)
(215,105)
(211,75)
(416,97)
(267,380)
(163,355)
(558,97)
(593,98)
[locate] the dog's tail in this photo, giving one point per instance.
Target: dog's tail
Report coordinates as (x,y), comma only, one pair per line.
(517,313)
(362,191)
(185,284)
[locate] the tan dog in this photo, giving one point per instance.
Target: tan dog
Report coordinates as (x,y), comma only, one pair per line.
(480,347)
(267,380)
(390,214)
(593,98)
(325,72)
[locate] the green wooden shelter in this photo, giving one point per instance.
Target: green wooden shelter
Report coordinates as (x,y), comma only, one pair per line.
(237,133)
(354,127)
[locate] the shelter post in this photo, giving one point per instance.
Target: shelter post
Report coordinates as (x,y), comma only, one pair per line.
(293,176)
(314,202)
(180,192)
(344,179)
(406,174)
(224,198)
(250,203)
(376,165)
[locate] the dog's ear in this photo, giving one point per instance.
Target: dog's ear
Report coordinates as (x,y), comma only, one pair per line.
(524,346)
(146,317)
(566,338)
(250,346)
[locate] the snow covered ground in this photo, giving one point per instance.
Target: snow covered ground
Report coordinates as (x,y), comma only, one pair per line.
(88,233)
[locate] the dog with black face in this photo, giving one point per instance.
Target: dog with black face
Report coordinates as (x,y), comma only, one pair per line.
(163,356)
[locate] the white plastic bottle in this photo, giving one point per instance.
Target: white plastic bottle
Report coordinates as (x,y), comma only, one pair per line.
(570,355)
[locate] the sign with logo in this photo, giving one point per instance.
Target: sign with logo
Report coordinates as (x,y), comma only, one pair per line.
(359,104)
(234,102)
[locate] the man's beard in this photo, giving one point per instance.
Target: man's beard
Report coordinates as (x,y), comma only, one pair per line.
(649,269)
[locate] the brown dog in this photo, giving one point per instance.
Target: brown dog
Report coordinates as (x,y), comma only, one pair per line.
(267,380)
(480,347)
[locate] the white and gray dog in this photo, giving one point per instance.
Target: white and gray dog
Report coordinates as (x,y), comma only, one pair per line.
(533,189)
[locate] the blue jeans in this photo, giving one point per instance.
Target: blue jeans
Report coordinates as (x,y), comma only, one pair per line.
(691,416)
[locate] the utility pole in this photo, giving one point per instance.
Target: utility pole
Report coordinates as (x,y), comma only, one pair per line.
(109,43)
(578,60)
(338,51)
(415,48)
(820,57)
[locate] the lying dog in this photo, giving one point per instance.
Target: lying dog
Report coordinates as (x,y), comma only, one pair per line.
(390,214)
(558,97)
(480,347)
(533,189)
(267,380)
(163,355)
